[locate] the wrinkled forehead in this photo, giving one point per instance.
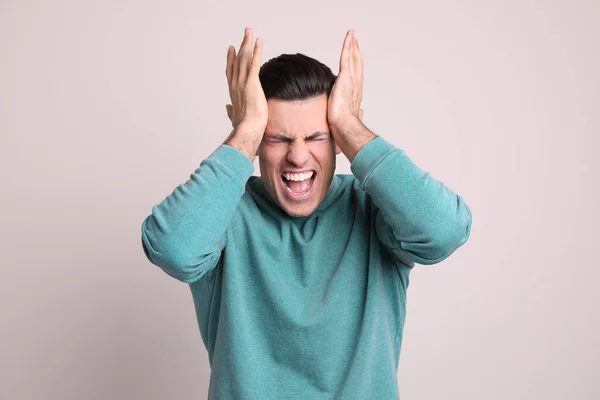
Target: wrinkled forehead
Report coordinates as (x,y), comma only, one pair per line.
(297,117)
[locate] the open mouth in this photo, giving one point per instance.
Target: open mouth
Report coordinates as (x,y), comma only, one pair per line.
(298,185)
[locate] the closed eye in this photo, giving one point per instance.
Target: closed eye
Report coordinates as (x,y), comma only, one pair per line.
(279,139)
(317,136)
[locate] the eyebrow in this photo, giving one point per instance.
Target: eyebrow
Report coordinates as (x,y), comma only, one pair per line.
(281,136)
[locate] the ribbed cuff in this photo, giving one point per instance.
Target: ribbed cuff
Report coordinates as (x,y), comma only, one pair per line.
(233,160)
(369,157)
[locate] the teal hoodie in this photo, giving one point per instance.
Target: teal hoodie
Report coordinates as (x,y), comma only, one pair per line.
(311,307)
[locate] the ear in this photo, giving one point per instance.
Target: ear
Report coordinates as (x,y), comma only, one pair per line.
(229,109)
(337,149)
(360,114)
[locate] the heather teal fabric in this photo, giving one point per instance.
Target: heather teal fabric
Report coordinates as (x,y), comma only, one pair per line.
(304,308)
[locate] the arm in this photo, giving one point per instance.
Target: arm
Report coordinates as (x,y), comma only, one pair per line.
(185,233)
(419,219)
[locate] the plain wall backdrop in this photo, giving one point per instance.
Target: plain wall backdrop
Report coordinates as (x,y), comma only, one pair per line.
(105,107)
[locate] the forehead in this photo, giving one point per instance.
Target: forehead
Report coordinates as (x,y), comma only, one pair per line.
(292,117)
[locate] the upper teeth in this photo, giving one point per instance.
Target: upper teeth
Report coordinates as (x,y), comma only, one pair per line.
(298,177)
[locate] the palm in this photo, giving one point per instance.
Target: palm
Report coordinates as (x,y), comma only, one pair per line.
(342,101)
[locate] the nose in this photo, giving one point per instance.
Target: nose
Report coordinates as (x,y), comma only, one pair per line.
(298,154)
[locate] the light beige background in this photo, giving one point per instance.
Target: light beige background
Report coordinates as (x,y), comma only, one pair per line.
(105,107)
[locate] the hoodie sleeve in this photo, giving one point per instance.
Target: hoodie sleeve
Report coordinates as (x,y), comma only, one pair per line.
(419,219)
(185,234)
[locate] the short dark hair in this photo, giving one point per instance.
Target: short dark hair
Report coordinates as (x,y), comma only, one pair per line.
(295,77)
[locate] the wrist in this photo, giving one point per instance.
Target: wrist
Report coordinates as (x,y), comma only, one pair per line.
(351,137)
(252,130)
(246,140)
(345,123)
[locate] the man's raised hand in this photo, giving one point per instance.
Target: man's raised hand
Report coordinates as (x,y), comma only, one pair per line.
(248,109)
(344,114)
(343,107)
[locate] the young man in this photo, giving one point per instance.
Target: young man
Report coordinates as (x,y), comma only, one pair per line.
(299,276)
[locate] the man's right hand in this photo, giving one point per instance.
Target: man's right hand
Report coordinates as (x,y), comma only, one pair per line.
(248,110)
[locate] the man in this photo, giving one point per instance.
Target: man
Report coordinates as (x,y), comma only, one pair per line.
(299,276)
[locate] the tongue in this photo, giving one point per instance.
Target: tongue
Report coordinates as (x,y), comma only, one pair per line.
(299,186)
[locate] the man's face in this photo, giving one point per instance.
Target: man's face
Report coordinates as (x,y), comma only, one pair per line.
(297,154)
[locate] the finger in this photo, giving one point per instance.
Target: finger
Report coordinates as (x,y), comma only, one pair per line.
(245,55)
(358,61)
(344,59)
(230,61)
(351,56)
(255,65)
(229,109)
(235,67)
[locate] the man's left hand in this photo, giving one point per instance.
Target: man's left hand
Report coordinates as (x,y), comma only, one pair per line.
(344,101)
(344,114)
